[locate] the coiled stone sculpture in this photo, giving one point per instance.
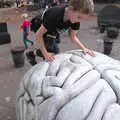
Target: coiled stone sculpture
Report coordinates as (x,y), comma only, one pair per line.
(74,86)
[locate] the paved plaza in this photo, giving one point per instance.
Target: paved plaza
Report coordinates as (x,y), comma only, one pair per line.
(10,76)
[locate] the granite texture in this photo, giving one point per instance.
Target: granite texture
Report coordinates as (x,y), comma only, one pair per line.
(74,86)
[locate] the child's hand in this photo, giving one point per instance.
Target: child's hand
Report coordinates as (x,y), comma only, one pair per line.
(49,56)
(90,52)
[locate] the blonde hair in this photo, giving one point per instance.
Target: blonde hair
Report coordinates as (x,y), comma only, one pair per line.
(84,6)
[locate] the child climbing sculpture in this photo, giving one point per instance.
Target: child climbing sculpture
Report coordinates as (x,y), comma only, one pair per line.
(59,18)
(26,29)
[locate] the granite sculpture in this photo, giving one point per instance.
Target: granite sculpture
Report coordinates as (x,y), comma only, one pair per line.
(74,86)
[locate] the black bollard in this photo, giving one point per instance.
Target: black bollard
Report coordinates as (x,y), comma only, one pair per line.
(4,35)
(112,33)
(3,27)
(5,38)
(107,47)
(18,56)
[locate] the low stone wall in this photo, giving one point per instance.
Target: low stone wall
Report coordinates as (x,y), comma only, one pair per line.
(74,86)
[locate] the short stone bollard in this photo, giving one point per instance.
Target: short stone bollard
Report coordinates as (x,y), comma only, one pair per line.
(18,56)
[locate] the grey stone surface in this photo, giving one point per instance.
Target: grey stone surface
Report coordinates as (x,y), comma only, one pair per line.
(74,86)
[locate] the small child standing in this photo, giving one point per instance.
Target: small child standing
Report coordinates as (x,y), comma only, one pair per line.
(26,29)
